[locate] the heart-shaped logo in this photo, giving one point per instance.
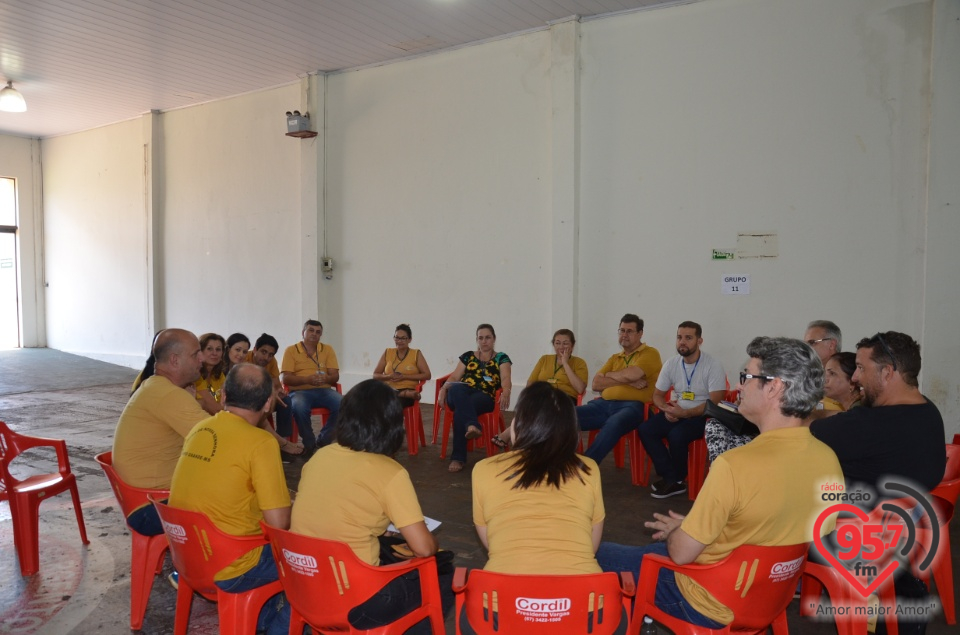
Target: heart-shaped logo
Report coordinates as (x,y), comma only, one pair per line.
(857,524)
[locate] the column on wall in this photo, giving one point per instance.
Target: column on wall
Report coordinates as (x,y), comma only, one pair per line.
(312,185)
(565,135)
(153,182)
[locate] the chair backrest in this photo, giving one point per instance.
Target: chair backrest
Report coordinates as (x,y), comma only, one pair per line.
(755,583)
(198,549)
(12,444)
(949,488)
(313,568)
(568,604)
(129,497)
(952,470)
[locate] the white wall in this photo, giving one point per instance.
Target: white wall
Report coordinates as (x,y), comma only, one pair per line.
(710,119)
(95,233)
(439,204)
(20,159)
(230,246)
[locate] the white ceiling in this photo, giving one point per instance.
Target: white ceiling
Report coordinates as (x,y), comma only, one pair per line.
(86,63)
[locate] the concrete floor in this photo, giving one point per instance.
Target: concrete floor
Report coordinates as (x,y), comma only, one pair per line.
(86,589)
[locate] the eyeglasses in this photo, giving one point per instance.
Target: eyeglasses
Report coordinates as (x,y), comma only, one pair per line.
(626,332)
(400,339)
(822,339)
(745,376)
(886,349)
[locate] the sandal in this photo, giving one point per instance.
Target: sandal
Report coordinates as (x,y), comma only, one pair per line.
(499,442)
(473,432)
(295,449)
(455,466)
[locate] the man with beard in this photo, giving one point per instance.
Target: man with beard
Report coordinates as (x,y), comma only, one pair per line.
(695,377)
(900,432)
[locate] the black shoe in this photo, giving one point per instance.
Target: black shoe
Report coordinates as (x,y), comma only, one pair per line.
(669,490)
(660,485)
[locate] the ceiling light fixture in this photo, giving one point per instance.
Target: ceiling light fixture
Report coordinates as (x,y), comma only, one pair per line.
(11,100)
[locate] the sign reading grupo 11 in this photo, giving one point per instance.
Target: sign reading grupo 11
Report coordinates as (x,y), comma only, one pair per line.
(735,285)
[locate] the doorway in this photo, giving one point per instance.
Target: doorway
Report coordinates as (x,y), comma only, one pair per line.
(9,296)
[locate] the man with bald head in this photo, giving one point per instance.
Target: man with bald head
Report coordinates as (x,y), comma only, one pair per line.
(159,415)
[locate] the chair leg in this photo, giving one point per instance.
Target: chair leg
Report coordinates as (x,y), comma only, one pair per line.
(79,512)
(943,577)
(411,429)
(25,511)
(639,461)
(419,423)
(146,561)
(447,424)
(696,467)
(184,605)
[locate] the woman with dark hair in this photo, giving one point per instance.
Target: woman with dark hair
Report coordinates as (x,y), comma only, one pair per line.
(562,370)
(838,385)
(237,346)
(148,367)
(539,508)
(212,372)
(351,490)
(402,368)
(471,389)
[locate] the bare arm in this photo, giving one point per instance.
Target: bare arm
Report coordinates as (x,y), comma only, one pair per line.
(595,534)
(279,517)
(682,548)
(333,376)
(456,375)
(208,402)
(506,385)
(578,384)
(424,374)
(381,366)
(482,534)
(421,542)
(677,412)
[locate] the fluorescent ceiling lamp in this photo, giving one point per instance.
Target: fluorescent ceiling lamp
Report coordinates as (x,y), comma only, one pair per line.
(11,100)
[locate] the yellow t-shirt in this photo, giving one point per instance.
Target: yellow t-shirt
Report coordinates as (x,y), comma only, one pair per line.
(831,404)
(230,471)
(647,359)
(272,367)
(297,362)
(150,432)
(766,493)
(542,529)
(405,366)
(547,370)
(212,385)
(352,497)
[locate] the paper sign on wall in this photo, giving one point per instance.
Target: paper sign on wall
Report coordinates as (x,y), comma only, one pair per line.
(735,285)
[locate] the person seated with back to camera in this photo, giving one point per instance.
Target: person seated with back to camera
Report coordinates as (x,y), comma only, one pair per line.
(562,370)
(370,491)
(402,368)
(538,509)
(471,390)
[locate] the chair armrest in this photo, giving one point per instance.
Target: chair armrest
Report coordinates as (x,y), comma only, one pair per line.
(627,587)
(459,579)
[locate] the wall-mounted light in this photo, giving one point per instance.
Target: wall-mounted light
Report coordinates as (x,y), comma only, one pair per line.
(11,100)
(299,125)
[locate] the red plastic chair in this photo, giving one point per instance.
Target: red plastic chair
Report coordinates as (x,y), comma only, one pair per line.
(25,495)
(818,578)
(437,406)
(324,580)
(944,504)
(413,422)
(199,551)
(755,583)
(492,423)
(146,558)
(530,604)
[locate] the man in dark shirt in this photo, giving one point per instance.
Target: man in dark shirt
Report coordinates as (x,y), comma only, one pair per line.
(898,432)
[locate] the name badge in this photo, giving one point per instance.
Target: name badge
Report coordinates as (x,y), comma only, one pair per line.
(687,395)
(552,380)
(488,379)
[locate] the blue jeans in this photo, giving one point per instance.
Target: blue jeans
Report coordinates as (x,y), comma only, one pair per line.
(670,460)
(467,403)
(299,404)
(613,419)
(145,521)
(274,617)
(617,558)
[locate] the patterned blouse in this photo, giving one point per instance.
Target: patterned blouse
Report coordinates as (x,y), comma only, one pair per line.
(484,376)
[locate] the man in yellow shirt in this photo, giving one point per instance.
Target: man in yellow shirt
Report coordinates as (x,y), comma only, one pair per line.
(625,382)
(152,426)
(230,470)
(310,370)
(765,493)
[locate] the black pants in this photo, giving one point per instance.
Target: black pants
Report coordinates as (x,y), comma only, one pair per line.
(399,597)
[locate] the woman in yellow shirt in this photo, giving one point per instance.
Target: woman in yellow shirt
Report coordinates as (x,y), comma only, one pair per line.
(562,370)
(838,385)
(212,376)
(402,368)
